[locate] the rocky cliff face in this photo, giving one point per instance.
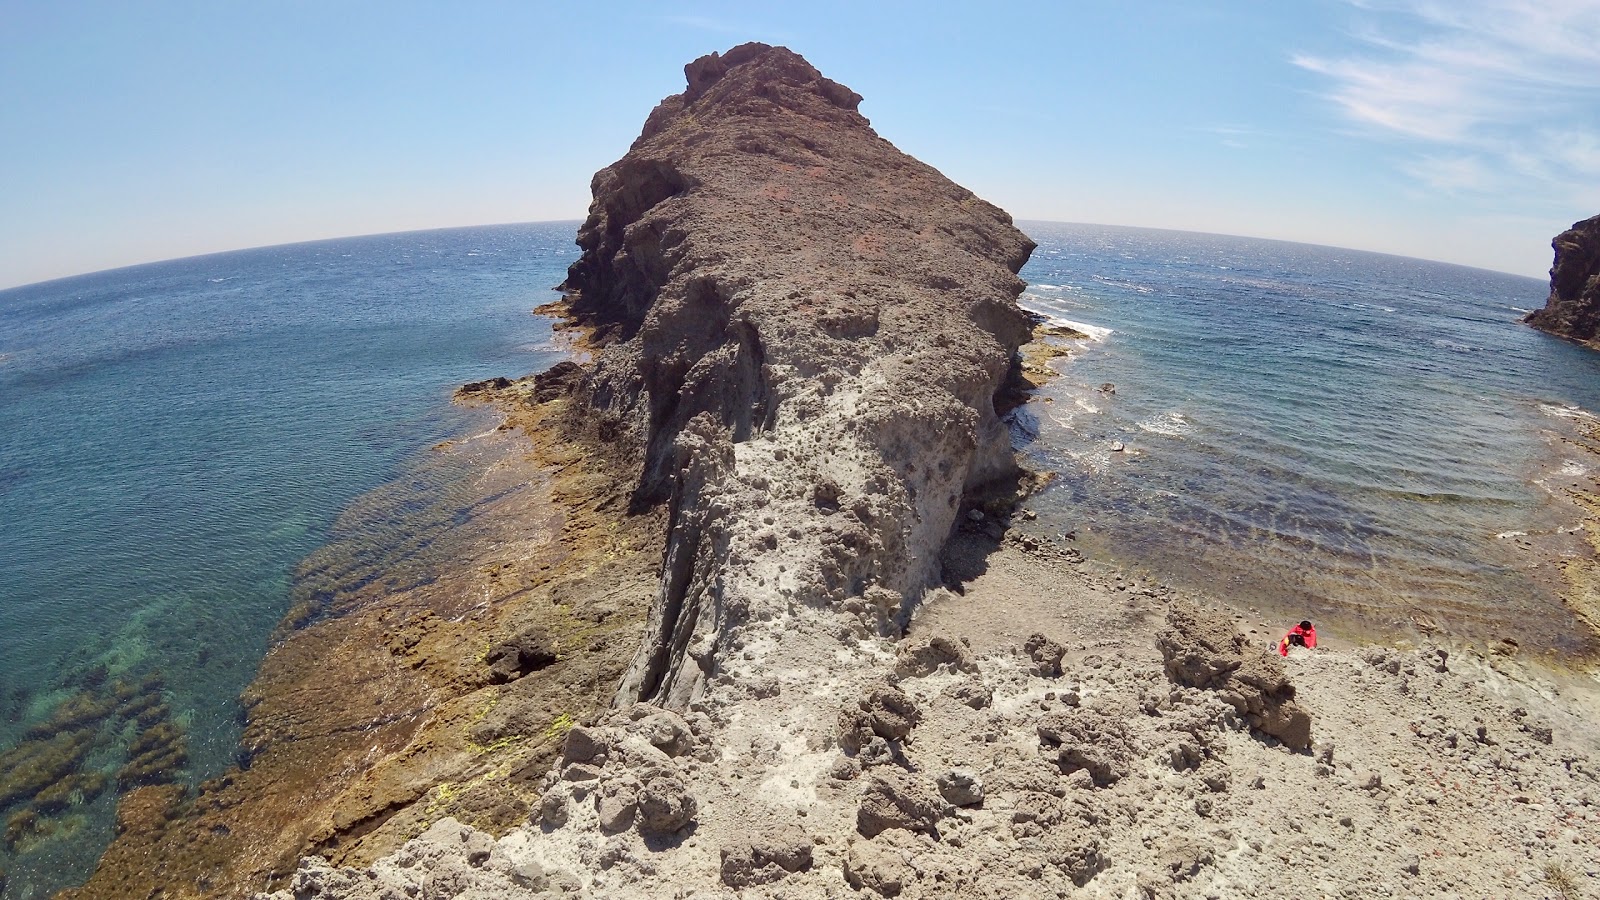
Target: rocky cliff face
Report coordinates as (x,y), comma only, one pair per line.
(804,332)
(1573,310)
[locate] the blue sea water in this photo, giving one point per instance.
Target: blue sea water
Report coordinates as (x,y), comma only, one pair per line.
(176,437)
(1314,431)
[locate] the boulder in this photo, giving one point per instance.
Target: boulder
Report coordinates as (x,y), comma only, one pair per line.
(1202,649)
(895,799)
(1045,654)
(884,712)
(924,656)
(766,856)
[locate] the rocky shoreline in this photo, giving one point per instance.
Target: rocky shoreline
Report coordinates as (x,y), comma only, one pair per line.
(784,466)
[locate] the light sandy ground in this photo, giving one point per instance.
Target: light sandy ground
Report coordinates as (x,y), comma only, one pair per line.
(1433,774)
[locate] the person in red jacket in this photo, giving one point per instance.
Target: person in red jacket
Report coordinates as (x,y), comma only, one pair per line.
(1302,635)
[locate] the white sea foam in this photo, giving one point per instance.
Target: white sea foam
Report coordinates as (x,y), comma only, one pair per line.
(1504,535)
(1048,287)
(1095,332)
(1573,469)
(1172,424)
(1565,412)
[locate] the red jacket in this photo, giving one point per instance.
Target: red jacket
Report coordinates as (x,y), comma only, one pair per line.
(1308,635)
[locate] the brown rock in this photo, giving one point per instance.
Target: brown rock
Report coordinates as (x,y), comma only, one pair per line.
(1091,740)
(527,651)
(1573,308)
(1046,655)
(767,856)
(1205,650)
(885,712)
(882,870)
(665,805)
(924,656)
(895,799)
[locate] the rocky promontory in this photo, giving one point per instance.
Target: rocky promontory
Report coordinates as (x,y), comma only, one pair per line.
(1573,310)
(861,674)
(804,334)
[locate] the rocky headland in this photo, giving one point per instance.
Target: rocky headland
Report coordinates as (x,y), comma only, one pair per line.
(1573,310)
(860,673)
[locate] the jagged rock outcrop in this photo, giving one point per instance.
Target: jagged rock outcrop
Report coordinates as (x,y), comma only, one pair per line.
(1202,649)
(1573,310)
(804,331)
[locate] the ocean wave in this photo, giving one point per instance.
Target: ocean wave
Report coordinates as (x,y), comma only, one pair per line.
(1112,282)
(1566,412)
(1171,424)
(1096,333)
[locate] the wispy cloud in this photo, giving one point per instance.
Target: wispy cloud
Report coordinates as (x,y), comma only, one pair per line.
(1491,94)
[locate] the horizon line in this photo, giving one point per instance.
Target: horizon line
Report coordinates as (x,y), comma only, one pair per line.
(1016,220)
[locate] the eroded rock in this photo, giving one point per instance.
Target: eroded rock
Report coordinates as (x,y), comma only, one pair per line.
(885,712)
(1205,650)
(765,857)
(895,799)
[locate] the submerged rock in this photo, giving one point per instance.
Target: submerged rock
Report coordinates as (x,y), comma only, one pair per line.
(1573,310)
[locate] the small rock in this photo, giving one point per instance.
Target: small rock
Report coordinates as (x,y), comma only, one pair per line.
(895,799)
(961,787)
(665,805)
(1046,655)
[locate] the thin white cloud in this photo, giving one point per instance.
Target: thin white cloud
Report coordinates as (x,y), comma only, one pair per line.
(1451,174)
(1497,93)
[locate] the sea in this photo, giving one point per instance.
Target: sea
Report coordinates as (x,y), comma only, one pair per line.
(176,438)
(1358,438)
(1370,441)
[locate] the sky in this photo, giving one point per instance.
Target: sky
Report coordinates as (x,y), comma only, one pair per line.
(1464,131)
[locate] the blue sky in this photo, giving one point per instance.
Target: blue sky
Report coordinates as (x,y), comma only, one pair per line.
(1461,131)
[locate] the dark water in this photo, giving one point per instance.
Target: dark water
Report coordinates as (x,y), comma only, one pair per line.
(1311,429)
(174,439)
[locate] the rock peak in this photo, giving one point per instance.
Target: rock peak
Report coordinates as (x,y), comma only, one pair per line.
(755,81)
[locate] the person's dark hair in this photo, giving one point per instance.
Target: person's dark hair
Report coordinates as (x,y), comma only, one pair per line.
(1305,623)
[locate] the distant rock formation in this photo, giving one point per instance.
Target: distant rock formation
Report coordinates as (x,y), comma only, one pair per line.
(804,332)
(1573,310)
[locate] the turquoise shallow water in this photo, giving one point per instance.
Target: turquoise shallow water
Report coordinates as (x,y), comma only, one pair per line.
(175,438)
(1318,431)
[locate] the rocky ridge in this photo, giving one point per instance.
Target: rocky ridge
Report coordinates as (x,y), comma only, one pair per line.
(1573,310)
(804,334)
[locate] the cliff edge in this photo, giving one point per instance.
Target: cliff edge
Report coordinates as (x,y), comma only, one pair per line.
(1573,310)
(804,333)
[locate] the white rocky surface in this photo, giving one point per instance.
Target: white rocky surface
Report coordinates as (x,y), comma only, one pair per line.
(1433,773)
